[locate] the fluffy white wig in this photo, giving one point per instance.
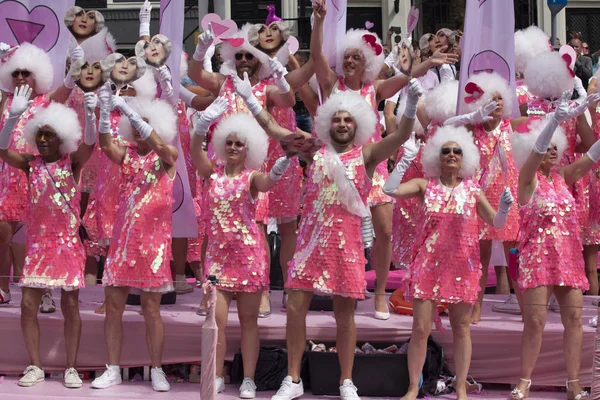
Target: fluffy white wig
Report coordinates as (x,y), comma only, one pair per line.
(63,120)
(548,76)
(373,62)
(183,66)
(247,130)
(33,59)
(528,44)
(355,105)
(228,51)
(440,102)
(160,115)
(146,87)
(72,12)
(463,138)
(490,83)
(522,143)
(417,128)
(99,46)
(109,63)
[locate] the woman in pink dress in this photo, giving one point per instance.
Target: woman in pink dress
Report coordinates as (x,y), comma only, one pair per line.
(550,244)
(235,252)
(140,249)
(55,255)
(446,267)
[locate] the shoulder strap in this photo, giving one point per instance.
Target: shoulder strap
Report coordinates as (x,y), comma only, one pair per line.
(61,193)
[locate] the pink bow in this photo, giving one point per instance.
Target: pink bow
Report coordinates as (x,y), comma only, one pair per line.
(272,17)
(474,92)
(567,59)
(371,40)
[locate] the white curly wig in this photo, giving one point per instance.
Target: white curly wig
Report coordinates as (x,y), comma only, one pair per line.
(72,12)
(161,117)
(522,143)
(528,44)
(109,63)
(417,128)
(247,130)
(33,59)
(183,66)
(228,51)
(355,105)
(446,134)
(440,102)
(548,76)
(490,83)
(63,120)
(373,62)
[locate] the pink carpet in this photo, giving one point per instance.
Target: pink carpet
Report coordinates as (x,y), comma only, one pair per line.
(496,338)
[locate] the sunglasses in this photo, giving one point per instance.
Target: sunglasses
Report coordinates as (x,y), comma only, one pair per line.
(455,150)
(248,56)
(24,74)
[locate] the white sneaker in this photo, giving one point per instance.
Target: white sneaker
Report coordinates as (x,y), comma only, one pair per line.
(181,285)
(47,306)
(348,391)
(510,306)
(247,389)
(32,376)
(554,306)
(110,377)
(72,379)
(219,384)
(4,297)
(159,380)
(289,390)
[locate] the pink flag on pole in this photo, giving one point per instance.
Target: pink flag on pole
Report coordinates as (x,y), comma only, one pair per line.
(40,23)
(334,30)
(488,43)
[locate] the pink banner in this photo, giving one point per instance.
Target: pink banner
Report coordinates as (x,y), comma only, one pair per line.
(39,23)
(334,30)
(488,44)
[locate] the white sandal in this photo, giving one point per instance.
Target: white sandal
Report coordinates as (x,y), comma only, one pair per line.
(583,395)
(517,394)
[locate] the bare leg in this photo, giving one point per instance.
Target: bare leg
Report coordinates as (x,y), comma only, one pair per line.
(297,307)
(460,318)
(288,245)
(7,230)
(590,256)
(18,250)
(513,284)
(202,274)
(69,305)
(178,265)
(485,250)
(343,309)
(91,271)
(115,299)
(382,251)
(221,313)
(247,305)
(155,331)
(265,302)
(30,326)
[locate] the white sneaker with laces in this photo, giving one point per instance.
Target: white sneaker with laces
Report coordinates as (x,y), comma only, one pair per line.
(4,297)
(110,377)
(47,306)
(247,389)
(348,391)
(159,380)
(72,379)
(32,376)
(219,384)
(510,306)
(289,390)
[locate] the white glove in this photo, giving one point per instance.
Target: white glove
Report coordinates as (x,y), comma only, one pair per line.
(594,152)
(390,60)
(477,117)
(506,200)
(244,89)
(205,40)
(210,115)
(4,48)
(186,95)
(411,149)
(134,119)
(90,101)
(281,165)
(208,58)
(415,91)
(104,96)
(278,72)
(75,55)
(145,17)
(580,109)
(165,80)
(561,114)
(20,103)
(563,109)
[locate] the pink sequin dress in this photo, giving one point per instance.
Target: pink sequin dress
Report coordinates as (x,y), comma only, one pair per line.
(447,267)
(55,255)
(13,187)
(140,250)
(523,94)
(329,256)
(367,91)
(492,180)
(594,194)
(236,253)
(550,244)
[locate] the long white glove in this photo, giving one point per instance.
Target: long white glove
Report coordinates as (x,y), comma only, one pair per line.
(584,104)
(415,91)
(506,200)
(90,101)
(411,149)
(143,128)
(244,89)
(205,40)
(186,95)
(210,115)
(208,58)
(75,55)
(20,103)
(104,96)
(4,48)
(165,81)
(560,115)
(145,17)
(477,117)
(281,165)
(390,60)
(578,87)
(278,72)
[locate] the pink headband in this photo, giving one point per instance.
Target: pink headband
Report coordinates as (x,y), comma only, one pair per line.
(272,17)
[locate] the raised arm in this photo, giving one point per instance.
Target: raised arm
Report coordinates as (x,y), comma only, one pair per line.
(325,76)
(282,96)
(299,77)
(145,17)
(205,119)
(264,182)
(61,94)
(83,153)
(393,186)
(210,81)
(113,151)
(19,104)
(579,168)
(193,100)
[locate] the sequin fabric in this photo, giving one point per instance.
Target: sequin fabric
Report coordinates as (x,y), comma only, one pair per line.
(446,266)
(140,250)
(93,247)
(550,244)
(594,213)
(183,124)
(13,187)
(329,256)
(376,197)
(235,252)
(55,256)
(195,244)
(523,94)
(492,180)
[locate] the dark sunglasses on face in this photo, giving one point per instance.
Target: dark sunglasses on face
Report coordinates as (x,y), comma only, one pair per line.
(25,74)
(248,56)
(455,150)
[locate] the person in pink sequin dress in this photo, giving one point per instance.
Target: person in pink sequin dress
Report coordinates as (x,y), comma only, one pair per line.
(446,265)
(140,250)
(550,249)
(55,255)
(361,59)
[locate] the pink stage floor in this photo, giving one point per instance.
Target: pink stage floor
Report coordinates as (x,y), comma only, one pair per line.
(496,338)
